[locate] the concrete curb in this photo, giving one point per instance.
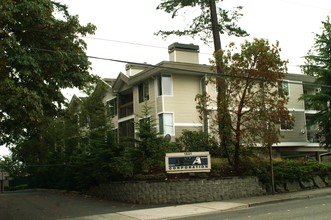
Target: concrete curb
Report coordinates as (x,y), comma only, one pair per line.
(283,197)
(276,201)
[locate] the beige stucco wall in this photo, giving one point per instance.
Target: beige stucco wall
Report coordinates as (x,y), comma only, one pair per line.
(182,103)
(152,101)
(295,91)
(295,135)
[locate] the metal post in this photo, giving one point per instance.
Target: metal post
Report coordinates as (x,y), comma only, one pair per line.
(273,190)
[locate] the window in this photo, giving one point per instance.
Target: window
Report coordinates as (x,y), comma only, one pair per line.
(164,85)
(143,91)
(286,124)
(166,123)
(126,129)
(112,107)
(125,105)
(286,87)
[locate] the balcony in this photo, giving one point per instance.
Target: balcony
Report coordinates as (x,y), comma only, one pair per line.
(126,110)
(125,107)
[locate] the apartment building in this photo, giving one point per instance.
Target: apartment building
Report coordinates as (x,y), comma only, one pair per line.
(169,88)
(302,140)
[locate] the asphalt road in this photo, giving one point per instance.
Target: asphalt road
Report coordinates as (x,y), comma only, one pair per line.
(52,204)
(306,209)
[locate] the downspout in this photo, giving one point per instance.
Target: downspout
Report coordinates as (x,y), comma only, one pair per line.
(204,114)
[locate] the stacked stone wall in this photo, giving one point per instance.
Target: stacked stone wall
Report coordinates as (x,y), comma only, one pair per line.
(179,191)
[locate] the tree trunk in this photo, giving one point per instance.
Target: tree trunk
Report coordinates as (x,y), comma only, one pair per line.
(236,158)
(223,116)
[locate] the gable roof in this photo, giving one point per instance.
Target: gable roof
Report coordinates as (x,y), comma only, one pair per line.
(172,67)
(121,80)
(169,67)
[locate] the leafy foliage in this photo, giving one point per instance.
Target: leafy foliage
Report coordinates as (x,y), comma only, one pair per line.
(201,25)
(257,102)
(40,53)
(291,170)
(318,64)
(197,141)
(75,151)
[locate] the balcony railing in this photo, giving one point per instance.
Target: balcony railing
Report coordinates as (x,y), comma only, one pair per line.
(126,110)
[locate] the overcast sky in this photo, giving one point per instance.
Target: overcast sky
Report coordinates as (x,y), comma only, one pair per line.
(125,30)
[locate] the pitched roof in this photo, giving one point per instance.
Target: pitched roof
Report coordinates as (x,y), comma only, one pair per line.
(162,67)
(172,67)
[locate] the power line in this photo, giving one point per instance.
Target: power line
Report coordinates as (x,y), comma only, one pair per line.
(113,40)
(125,42)
(136,44)
(179,69)
(206,73)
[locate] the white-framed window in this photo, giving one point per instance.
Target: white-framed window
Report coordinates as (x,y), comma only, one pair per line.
(164,83)
(166,123)
(143,91)
(112,107)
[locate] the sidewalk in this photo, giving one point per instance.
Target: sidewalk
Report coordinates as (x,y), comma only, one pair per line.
(173,212)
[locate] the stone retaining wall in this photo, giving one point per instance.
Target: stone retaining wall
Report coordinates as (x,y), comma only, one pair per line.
(316,182)
(180,191)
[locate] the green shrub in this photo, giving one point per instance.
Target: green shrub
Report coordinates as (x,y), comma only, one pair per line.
(220,167)
(197,141)
(291,171)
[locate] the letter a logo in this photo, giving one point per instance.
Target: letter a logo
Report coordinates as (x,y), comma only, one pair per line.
(197,161)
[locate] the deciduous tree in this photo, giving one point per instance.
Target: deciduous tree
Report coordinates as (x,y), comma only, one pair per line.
(41,52)
(256,99)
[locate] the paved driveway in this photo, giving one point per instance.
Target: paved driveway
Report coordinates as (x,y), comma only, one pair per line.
(52,204)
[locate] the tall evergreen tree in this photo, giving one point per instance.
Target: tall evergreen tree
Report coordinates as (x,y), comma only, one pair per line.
(211,22)
(77,150)
(318,64)
(151,146)
(201,25)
